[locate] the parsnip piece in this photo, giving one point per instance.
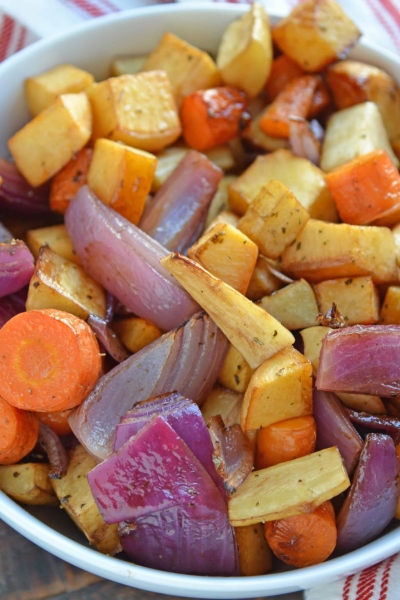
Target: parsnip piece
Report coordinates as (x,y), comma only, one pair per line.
(138,110)
(235,372)
(50,140)
(76,498)
(291,488)
(121,177)
(136,333)
(263,281)
(127,64)
(356,298)
(54,236)
(273,219)
(312,340)
(41,90)
(28,483)
(255,556)
(352,82)
(224,402)
(330,250)
(294,305)
(363,403)
(248,327)
(316,33)
(228,254)
(304,180)
(61,284)
(281,388)
(188,68)
(245,52)
(353,132)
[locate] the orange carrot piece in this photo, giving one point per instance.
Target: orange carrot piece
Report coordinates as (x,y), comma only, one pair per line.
(67,182)
(283,70)
(49,360)
(365,188)
(19,432)
(293,101)
(304,540)
(213,117)
(57,421)
(285,440)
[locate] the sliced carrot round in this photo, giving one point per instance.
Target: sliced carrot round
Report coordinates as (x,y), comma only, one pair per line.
(57,421)
(285,440)
(19,432)
(49,360)
(304,540)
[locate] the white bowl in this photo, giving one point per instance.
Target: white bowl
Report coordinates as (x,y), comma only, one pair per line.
(91,46)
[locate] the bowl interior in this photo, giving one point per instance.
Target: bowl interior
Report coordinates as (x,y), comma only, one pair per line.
(92,46)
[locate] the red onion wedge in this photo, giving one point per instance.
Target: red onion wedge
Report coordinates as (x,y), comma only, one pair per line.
(187,359)
(334,428)
(5,236)
(183,416)
(56,453)
(233,455)
(108,339)
(361,359)
(372,499)
(178,520)
(12,305)
(176,215)
(126,261)
(16,267)
(17,195)
(381,423)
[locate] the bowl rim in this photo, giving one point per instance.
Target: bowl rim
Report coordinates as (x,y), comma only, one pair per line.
(142,577)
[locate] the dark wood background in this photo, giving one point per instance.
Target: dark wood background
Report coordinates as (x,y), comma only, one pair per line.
(29,573)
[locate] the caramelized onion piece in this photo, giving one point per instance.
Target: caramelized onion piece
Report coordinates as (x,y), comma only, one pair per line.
(17,195)
(233,455)
(16,267)
(108,338)
(387,424)
(56,453)
(187,359)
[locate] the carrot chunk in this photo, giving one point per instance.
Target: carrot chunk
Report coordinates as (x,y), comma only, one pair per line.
(285,440)
(293,101)
(69,179)
(49,360)
(304,540)
(57,421)
(365,188)
(19,432)
(283,70)
(213,117)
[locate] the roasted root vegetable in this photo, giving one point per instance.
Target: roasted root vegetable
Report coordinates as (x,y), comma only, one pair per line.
(285,440)
(304,540)
(28,483)
(50,360)
(213,117)
(19,433)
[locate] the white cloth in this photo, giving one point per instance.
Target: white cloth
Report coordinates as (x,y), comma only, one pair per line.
(24,21)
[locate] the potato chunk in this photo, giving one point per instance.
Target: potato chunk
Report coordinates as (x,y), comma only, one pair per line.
(41,90)
(273,219)
(255,556)
(304,180)
(54,236)
(355,297)
(138,110)
(228,254)
(330,250)
(62,284)
(28,483)
(121,177)
(353,132)
(294,305)
(316,33)
(50,140)
(188,68)
(245,53)
(235,372)
(281,388)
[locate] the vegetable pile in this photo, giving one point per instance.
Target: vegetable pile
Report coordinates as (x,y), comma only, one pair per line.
(200,299)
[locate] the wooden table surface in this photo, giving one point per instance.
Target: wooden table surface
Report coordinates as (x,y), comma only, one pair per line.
(29,573)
